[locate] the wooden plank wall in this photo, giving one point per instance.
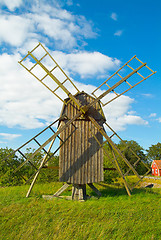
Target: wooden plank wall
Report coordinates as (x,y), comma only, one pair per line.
(81,158)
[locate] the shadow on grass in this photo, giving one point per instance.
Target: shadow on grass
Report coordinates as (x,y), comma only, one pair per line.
(110,191)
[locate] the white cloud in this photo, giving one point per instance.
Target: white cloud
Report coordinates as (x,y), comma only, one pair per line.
(131,119)
(114,16)
(118,33)
(69,2)
(45,23)
(9,136)
(86,64)
(131,112)
(14,29)
(148,95)
(118,115)
(152,115)
(11,4)
(159,120)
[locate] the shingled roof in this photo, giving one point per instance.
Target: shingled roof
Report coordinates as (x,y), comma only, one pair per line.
(158,163)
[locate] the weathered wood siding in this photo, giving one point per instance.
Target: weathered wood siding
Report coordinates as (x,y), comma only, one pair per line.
(81,158)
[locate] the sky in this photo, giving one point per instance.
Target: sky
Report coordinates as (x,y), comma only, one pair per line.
(90,40)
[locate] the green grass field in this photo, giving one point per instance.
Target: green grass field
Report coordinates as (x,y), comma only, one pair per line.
(113,216)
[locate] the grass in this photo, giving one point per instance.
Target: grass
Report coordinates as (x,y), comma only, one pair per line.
(113,216)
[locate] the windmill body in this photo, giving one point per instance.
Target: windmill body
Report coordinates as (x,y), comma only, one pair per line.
(81,125)
(81,157)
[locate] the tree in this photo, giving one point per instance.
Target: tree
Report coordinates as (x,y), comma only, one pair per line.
(133,157)
(46,174)
(7,166)
(9,162)
(109,175)
(154,152)
(130,156)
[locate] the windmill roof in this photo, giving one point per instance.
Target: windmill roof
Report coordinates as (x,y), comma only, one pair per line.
(77,97)
(158,163)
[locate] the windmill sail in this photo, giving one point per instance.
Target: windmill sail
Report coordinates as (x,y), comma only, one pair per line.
(117,153)
(133,80)
(47,71)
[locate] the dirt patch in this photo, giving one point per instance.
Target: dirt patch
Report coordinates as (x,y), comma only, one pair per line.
(151,182)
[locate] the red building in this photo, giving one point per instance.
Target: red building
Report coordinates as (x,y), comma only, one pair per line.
(156,168)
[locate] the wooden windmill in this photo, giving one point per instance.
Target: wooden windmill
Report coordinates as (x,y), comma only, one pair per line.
(81,126)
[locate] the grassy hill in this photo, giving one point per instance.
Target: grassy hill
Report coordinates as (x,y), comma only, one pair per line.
(113,216)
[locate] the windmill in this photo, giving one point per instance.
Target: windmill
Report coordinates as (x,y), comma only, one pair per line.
(81,125)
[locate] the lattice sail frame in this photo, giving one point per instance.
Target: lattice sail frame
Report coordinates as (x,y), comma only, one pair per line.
(115,162)
(129,85)
(35,62)
(48,154)
(38,61)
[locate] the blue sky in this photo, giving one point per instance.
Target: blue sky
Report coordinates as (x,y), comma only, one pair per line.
(90,40)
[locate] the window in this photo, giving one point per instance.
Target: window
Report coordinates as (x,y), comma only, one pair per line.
(156,171)
(152,171)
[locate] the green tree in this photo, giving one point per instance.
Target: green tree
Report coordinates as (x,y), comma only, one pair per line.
(154,152)
(130,156)
(46,174)
(8,162)
(109,175)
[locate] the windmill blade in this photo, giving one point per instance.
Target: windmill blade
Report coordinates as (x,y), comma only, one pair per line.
(48,155)
(134,77)
(45,160)
(115,163)
(117,153)
(101,130)
(114,134)
(42,146)
(43,69)
(34,141)
(46,70)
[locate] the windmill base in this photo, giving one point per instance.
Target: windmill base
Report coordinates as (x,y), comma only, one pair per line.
(78,192)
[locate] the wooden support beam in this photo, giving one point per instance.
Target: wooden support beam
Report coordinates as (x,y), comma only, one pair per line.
(49,140)
(120,172)
(51,167)
(79,192)
(106,168)
(101,130)
(41,165)
(94,189)
(62,189)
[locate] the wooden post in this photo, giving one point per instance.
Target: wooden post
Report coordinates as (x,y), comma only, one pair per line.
(119,170)
(62,189)
(79,192)
(94,189)
(37,173)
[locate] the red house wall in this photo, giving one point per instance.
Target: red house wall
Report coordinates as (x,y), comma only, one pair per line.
(154,167)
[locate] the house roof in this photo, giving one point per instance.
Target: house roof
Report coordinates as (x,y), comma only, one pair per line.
(158,163)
